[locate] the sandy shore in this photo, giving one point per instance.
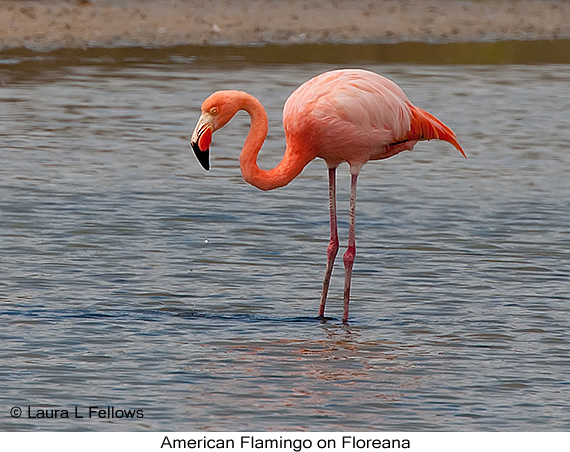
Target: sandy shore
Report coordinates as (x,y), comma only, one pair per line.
(104,23)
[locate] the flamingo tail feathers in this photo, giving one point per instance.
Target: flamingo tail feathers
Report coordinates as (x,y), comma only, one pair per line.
(425,126)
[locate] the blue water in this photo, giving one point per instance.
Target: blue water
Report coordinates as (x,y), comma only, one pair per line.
(131,278)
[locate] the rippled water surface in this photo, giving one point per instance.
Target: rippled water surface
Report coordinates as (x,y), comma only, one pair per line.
(133,279)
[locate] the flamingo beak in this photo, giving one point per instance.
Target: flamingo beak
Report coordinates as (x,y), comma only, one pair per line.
(201,139)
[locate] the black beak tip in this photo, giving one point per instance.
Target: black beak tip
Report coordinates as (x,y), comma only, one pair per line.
(202,156)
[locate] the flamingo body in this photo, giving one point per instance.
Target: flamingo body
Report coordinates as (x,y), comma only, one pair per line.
(355,116)
(340,116)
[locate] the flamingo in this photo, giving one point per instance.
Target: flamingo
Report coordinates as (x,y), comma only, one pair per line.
(348,115)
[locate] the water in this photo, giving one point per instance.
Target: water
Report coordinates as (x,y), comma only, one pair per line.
(132,279)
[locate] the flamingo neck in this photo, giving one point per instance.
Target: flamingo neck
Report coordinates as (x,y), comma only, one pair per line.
(291,164)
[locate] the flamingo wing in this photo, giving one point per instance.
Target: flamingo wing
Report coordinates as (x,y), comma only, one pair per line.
(357,115)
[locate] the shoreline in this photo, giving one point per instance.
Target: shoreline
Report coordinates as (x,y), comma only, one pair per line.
(82,24)
(414,52)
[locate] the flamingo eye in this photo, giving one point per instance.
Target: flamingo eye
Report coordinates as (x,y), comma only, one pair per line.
(213,110)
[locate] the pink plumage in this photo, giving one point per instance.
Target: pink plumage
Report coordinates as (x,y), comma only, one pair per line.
(340,116)
(351,116)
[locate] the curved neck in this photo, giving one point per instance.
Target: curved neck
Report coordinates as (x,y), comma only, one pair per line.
(291,164)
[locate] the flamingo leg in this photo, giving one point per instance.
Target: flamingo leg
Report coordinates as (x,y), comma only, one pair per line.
(350,253)
(332,249)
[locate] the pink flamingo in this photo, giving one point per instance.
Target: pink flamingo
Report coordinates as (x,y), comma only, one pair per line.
(340,116)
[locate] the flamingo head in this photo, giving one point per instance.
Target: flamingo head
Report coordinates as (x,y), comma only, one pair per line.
(217,110)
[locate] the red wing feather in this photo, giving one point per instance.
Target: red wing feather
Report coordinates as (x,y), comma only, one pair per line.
(425,126)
